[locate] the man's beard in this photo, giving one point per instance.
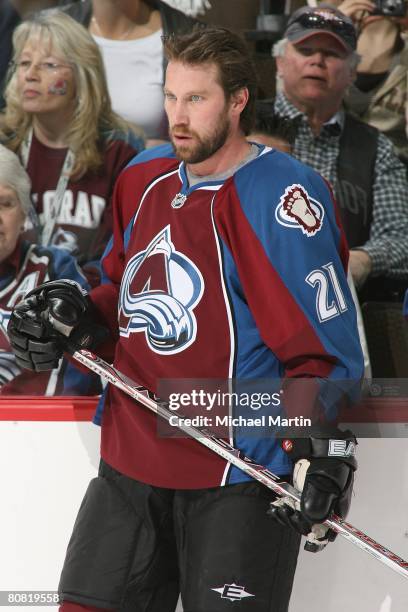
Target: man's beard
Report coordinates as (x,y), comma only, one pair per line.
(206,146)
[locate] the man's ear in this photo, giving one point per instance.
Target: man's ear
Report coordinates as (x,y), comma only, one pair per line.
(239,100)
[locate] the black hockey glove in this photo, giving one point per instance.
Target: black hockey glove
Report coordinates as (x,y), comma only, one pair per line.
(324,466)
(54,317)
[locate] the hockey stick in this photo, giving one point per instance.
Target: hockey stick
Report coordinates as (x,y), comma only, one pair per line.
(237,458)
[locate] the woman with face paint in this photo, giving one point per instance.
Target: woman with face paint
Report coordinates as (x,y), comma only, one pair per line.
(24,266)
(129,36)
(59,120)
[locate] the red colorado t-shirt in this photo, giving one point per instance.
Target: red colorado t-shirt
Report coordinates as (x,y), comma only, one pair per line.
(84,222)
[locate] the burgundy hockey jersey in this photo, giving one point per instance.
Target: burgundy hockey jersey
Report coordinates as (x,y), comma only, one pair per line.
(238,279)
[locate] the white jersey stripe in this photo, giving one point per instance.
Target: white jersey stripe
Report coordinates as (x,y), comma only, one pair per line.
(231,328)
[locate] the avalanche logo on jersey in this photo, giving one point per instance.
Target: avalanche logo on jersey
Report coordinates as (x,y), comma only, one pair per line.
(159,291)
(297,210)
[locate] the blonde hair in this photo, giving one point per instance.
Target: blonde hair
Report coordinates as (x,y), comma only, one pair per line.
(14,176)
(93,115)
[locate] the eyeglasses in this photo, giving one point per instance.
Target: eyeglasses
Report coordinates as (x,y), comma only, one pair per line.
(45,67)
(345,30)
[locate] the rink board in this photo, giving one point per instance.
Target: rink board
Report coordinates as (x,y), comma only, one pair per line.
(49,451)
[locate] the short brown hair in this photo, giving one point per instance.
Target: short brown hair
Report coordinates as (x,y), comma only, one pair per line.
(229,52)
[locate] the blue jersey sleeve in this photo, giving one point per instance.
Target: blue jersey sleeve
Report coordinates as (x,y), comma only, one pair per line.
(286,258)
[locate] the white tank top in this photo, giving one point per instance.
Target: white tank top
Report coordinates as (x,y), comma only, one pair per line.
(134,70)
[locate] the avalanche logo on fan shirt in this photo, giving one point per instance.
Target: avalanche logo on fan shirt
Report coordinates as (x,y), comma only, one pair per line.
(297,210)
(159,291)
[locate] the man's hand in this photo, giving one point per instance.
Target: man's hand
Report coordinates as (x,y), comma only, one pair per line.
(356,9)
(34,344)
(49,317)
(360,266)
(324,473)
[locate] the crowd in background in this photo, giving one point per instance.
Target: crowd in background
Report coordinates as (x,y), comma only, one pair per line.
(82,94)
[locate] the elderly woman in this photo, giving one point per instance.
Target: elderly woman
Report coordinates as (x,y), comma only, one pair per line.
(59,120)
(24,266)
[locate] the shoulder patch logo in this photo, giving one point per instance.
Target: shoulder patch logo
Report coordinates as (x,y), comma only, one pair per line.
(297,210)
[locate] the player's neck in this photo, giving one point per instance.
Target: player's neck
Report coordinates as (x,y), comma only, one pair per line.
(51,131)
(234,151)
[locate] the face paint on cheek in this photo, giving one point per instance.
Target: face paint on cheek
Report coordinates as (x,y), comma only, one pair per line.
(59,88)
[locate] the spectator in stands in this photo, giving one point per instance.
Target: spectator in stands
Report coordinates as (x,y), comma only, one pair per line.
(379,95)
(128,34)
(316,64)
(59,120)
(11,13)
(23,267)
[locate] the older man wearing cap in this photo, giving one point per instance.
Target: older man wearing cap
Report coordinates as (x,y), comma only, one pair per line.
(316,63)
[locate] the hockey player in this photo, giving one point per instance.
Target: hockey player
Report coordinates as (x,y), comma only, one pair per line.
(227,261)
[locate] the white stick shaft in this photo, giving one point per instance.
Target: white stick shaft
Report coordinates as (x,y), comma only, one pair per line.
(234,456)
